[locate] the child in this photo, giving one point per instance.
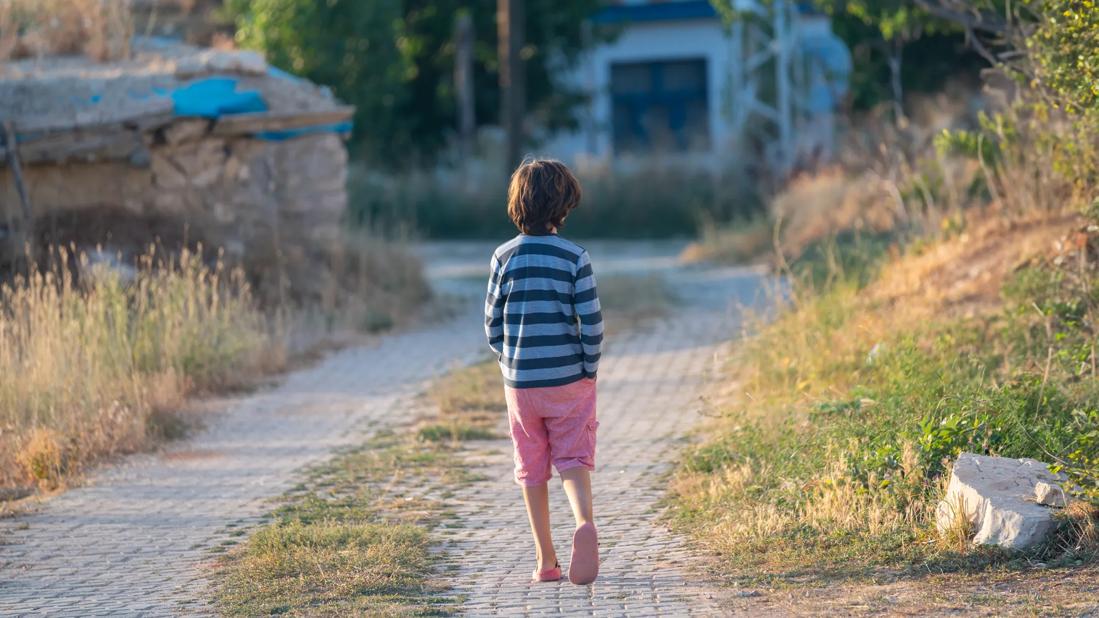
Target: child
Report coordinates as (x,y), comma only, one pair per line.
(543,321)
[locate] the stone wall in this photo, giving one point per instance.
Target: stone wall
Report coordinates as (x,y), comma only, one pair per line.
(258,200)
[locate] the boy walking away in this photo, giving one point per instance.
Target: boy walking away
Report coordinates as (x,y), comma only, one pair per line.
(543,320)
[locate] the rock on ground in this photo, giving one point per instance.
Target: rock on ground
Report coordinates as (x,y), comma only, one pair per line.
(997,496)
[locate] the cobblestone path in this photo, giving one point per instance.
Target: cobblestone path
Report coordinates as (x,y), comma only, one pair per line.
(136,538)
(649,386)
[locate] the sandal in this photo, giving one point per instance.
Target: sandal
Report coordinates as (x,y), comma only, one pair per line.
(584,565)
(551,574)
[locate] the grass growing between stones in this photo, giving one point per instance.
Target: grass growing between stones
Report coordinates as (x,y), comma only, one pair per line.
(628,301)
(833,436)
(356,536)
(470,404)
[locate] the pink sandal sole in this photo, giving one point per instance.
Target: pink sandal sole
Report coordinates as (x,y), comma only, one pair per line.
(584,565)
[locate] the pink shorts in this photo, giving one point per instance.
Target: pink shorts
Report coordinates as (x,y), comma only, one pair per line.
(552,424)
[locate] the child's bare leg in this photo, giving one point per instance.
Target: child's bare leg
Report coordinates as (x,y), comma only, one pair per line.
(577,482)
(537,499)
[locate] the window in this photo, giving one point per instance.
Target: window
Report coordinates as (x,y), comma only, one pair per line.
(660,105)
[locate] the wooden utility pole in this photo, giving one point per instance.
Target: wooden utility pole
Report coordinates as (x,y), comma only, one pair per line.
(509,26)
(11,143)
(784,103)
(463,83)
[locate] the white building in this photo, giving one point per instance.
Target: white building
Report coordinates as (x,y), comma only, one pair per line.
(676,78)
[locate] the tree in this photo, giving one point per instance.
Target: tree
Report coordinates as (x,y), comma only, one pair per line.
(1064,51)
(899,23)
(352,46)
(394,60)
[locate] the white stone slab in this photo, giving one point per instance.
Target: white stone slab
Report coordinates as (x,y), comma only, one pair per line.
(997,496)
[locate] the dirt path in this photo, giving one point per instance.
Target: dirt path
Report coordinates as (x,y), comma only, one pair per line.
(137,538)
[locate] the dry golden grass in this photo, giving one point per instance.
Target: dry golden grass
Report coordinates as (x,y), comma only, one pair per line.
(822,205)
(99,29)
(94,363)
(737,243)
(959,276)
(357,537)
(469,404)
(963,274)
(811,365)
(85,366)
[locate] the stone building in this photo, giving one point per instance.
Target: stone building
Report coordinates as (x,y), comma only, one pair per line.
(178,143)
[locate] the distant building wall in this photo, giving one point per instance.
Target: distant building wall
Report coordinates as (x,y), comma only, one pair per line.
(251,197)
(647,96)
(649,43)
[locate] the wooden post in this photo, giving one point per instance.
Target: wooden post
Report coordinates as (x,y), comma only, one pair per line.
(463,83)
(509,25)
(783,39)
(587,42)
(24,198)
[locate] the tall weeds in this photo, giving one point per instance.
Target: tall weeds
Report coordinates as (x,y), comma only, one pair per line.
(87,364)
(99,29)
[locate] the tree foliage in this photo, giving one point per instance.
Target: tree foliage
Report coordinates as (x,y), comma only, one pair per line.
(394,61)
(1064,50)
(354,47)
(882,33)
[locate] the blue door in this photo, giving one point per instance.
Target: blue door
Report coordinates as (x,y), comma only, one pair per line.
(660,106)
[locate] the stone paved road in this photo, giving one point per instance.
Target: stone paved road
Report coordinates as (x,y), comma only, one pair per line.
(135,540)
(649,387)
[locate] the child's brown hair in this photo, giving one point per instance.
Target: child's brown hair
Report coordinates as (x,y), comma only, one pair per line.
(541,194)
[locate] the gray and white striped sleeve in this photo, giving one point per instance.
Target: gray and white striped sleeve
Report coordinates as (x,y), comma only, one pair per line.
(585,302)
(494,308)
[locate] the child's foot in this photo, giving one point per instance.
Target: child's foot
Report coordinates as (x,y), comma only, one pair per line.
(551,574)
(584,565)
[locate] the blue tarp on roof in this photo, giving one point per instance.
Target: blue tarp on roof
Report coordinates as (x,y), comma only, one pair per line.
(214,97)
(671,11)
(663,11)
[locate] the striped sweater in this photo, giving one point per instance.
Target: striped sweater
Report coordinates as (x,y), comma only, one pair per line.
(542,312)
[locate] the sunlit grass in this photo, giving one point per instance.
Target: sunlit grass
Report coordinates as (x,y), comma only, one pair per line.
(353,539)
(831,442)
(86,366)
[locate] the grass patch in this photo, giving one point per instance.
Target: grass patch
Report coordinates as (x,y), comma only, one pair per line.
(741,242)
(630,300)
(331,563)
(827,462)
(470,404)
(355,537)
(455,433)
(97,362)
(90,367)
